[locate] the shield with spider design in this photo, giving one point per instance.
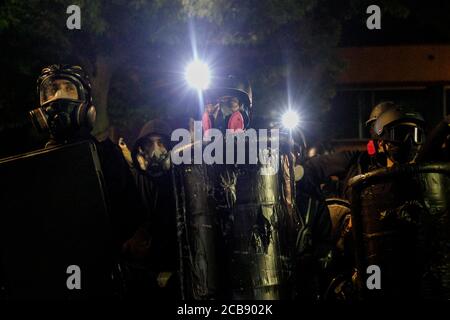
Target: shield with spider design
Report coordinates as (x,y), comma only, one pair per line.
(236,229)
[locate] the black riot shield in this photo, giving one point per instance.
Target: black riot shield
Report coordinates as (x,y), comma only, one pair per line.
(236,230)
(54,227)
(198,231)
(401,224)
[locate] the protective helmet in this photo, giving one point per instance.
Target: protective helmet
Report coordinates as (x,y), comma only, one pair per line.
(402,134)
(378,110)
(398,123)
(375,113)
(65,101)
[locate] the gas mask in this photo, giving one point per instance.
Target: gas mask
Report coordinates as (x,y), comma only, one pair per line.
(65,108)
(228,104)
(152,156)
(227,114)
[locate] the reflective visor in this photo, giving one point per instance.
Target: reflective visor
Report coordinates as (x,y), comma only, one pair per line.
(401,133)
(61,88)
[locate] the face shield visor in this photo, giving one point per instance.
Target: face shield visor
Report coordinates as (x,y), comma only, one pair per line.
(61,87)
(403,142)
(405,132)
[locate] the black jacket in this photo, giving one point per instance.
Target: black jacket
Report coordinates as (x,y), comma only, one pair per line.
(126,208)
(345,165)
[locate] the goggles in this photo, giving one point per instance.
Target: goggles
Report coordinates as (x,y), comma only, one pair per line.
(401,133)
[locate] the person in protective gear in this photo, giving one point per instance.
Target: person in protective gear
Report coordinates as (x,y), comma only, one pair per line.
(66,113)
(227,106)
(397,135)
(151,152)
(344,165)
(152,251)
(65,107)
(400,135)
(348,164)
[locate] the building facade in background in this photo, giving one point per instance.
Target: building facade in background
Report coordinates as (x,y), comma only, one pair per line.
(413,75)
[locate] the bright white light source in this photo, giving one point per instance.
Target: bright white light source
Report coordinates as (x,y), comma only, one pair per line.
(290,119)
(197,75)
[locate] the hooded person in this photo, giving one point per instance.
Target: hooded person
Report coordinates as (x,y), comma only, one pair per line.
(154,245)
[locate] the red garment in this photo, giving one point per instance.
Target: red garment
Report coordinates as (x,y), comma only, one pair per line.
(206,122)
(236,122)
(371,150)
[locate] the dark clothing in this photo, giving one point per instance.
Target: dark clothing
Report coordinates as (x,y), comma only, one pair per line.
(314,245)
(437,145)
(316,216)
(124,203)
(126,207)
(160,222)
(152,252)
(345,165)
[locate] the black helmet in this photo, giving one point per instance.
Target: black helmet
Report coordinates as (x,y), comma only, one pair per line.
(231,85)
(390,119)
(378,110)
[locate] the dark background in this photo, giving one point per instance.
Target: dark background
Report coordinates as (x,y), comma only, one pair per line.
(135,53)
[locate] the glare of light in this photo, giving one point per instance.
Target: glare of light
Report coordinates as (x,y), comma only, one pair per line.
(290,119)
(198,75)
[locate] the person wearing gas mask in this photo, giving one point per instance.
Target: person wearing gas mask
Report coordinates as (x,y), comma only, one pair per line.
(397,136)
(66,113)
(229,112)
(400,135)
(317,172)
(347,164)
(152,251)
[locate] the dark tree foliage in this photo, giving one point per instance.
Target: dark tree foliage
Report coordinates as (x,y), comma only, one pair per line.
(135,52)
